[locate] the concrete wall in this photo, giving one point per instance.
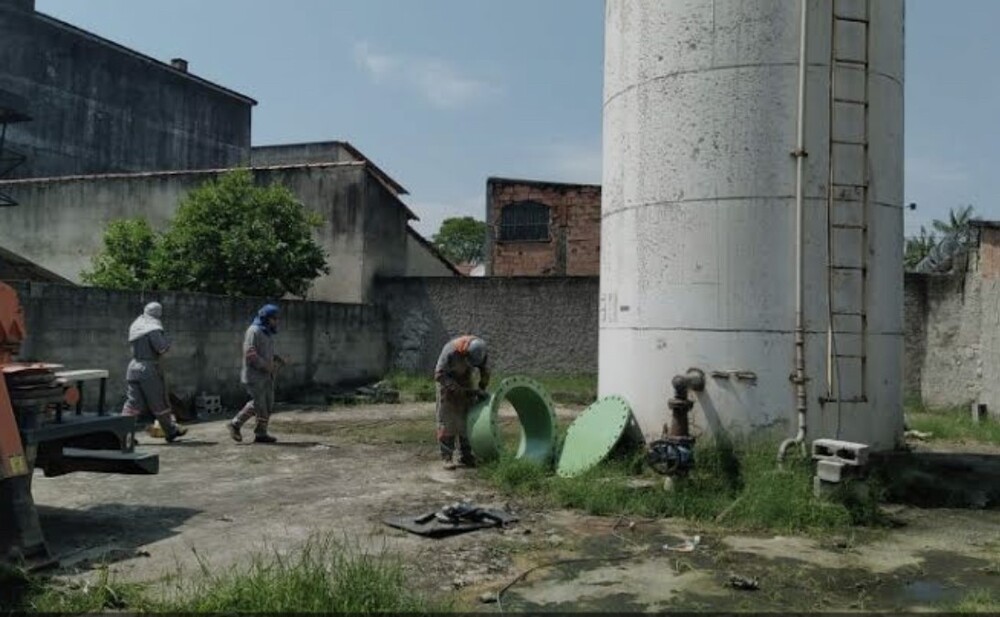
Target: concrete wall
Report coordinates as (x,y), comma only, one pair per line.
(574,245)
(294,154)
(422,261)
(99,107)
(532,325)
(914,334)
(953,331)
(326,344)
(61,221)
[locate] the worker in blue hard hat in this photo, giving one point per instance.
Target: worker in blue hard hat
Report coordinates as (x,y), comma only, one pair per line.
(260,366)
(460,361)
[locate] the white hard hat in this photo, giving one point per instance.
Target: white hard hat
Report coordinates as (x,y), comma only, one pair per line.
(477,352)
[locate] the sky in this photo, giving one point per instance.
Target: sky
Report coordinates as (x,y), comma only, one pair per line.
(443,94)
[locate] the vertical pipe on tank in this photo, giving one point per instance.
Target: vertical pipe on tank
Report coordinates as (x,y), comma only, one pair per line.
(800,155)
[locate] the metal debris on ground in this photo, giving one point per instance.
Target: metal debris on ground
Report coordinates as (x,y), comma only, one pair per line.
(743,583)
(488,598)
(688,546)
(459,517)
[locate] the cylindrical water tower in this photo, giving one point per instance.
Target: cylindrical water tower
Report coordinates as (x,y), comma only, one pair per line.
(752,212)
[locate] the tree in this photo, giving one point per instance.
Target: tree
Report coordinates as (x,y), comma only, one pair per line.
(462,240)
(918,247)
(229,237)
(958,220)
(124,263)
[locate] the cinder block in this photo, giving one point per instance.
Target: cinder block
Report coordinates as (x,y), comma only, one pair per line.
(830,471)
(843,451)
(823,489)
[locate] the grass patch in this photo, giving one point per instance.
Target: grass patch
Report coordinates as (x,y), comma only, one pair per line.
(740,482)
(322,576)
(979,601)
(103,593)
(417,387)
(565,389)
(952,424)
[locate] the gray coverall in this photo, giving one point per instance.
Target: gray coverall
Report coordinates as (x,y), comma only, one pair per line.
(258,355)
(146,390)
(455,397)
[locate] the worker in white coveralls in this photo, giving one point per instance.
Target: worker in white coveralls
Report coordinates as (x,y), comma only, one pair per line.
(457,393)
(260,365)
(146,388)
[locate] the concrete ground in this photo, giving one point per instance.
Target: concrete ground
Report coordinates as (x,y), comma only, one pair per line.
(340,472)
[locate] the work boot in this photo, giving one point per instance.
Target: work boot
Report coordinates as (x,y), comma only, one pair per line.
(234,431)
(448,465)
(179,431)
(264,439)
(467,460)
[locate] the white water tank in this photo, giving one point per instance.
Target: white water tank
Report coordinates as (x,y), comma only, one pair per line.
(698,233)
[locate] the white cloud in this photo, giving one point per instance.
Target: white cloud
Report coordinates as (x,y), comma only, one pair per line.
(437,81)
(379,66)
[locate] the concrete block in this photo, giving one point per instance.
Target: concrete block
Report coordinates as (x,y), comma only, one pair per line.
(823,489)
(830,471)
(846,452)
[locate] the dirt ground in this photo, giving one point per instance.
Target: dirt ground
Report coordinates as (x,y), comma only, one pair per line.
(340,472)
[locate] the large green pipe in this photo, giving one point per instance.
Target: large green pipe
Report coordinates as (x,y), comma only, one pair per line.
(535,412)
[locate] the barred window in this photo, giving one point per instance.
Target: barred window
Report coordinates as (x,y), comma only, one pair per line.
(524,221)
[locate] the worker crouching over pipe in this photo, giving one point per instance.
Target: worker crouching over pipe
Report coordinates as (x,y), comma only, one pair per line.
(457,394)
(146,388)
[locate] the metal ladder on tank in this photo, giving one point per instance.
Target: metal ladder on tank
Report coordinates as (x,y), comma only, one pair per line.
(848,202)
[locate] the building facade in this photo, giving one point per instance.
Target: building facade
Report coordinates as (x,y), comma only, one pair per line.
(542,228)
(99,107)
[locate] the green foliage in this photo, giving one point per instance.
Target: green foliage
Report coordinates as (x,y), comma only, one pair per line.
(953,424)
(918,247)
(462,240)
(570,389)
(739,483)
(320,577)
(978,601)
(125,262)
(229,237)
(958,220)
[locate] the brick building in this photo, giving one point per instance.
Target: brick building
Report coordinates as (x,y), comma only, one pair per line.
(542,228)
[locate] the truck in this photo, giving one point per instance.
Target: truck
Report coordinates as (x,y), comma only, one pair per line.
(43,426)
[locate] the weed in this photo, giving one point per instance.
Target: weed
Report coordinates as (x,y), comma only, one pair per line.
(420,388)
(322,576)
(568,389)
(953,424)
(979,601)
(738,481)
(92,596)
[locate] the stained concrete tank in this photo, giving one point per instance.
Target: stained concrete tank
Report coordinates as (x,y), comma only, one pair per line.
(700,234)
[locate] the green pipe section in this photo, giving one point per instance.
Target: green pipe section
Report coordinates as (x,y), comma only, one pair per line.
(535,411)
